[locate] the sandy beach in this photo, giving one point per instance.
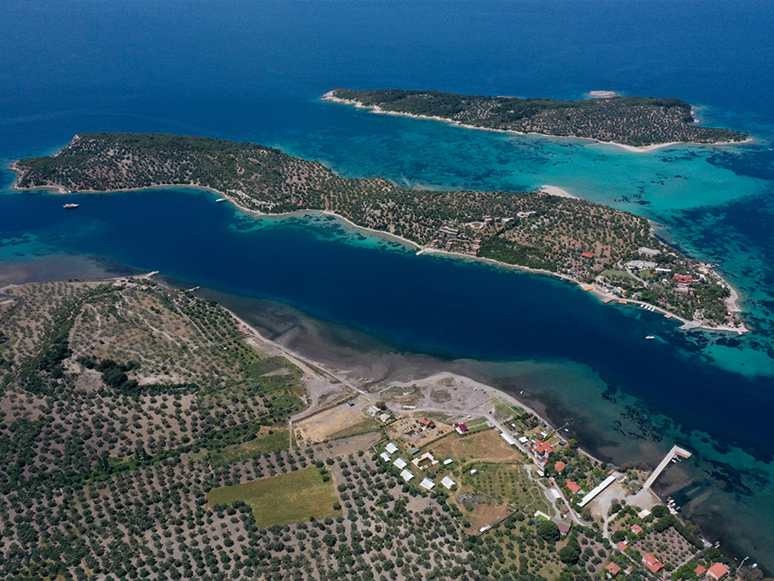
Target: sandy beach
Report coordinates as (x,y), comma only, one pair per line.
(556,191)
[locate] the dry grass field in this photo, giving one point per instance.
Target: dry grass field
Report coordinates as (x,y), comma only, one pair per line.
(485,446)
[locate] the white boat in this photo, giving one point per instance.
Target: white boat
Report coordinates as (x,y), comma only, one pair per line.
(219,200)
(70,206)
(650,337)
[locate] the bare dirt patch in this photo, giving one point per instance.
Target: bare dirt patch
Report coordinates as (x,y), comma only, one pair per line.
(485,446)
(411,432)
(334,422)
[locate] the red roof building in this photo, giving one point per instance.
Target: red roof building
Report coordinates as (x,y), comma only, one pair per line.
(613,569)
(574,488)
(623,545)
(717,571)
(461,428)
(636,529)
(588,255)
(559,466)
(653,564)
(543,448)
(684,278)
(699,570)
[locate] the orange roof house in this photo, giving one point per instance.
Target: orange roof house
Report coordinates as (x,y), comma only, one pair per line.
(559,466)
(623,545)
(684,278)
(612,568)
(588,255)
(543,448)
(636,529)
(653,564)
(699,570)
(717,571)
(574,488)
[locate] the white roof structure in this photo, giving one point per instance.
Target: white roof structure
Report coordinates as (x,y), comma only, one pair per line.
(407,475)
(524,439)
(600,487)
(447,461)
(448,482)
(556,494)
(508,440)
(643,513)
(473,471)
(391,448)
(372,411)
(427,483)
(424,461)
(385,456)
(400,463)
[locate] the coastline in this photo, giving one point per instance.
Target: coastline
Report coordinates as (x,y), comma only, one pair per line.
(596,290)
(632,148)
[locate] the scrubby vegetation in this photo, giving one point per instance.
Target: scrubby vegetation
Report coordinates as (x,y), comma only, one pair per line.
(629,120)
(583,241)
(142,436)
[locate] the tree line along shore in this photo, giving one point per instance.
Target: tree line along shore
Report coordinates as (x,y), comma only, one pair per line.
(576,239)
(631,121)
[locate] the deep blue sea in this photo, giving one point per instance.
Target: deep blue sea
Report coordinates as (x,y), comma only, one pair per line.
(255,71)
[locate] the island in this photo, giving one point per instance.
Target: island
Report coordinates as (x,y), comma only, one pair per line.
(608,251)
(631,121)
(148,433)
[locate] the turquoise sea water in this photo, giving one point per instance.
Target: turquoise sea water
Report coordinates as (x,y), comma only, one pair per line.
(255,71)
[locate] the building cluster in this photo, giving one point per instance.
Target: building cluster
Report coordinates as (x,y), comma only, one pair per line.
(423,462)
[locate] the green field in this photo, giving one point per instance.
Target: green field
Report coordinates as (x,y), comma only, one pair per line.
(262,444)
(282,499)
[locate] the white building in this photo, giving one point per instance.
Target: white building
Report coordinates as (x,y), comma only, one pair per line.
(407,475)
(508,440)
(427,483)
(400,463)
(391,448)
(448,483)
(385,456)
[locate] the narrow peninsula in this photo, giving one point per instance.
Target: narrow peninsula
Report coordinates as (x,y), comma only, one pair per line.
(610,251)
(630,121)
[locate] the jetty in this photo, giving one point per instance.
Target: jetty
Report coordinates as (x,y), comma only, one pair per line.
(675,451)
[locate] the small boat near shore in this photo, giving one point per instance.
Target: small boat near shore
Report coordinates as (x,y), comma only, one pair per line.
(70,206)
(219,200)
(650,337)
